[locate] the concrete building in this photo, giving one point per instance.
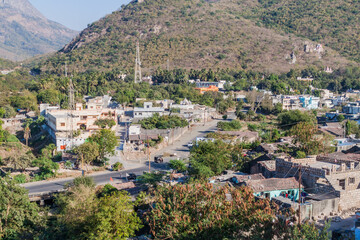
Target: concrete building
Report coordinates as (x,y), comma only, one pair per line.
(326,175)
(290,102)
(309,102)
(352,108)
(275,187)
(147,111)
(81,122)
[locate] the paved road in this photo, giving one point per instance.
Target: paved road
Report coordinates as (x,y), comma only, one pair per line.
(179,147)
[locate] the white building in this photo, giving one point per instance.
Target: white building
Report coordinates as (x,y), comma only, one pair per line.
(147,111)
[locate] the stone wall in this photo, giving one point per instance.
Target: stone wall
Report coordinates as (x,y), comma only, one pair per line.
(349,199)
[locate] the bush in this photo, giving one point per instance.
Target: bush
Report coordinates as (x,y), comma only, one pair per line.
(230,126)
(225,117)
(300,154)
(118,166)
(21,178)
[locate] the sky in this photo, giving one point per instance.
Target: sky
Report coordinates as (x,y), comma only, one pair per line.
(76,14)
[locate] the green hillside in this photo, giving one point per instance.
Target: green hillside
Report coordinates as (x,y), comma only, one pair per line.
(6,64)
(187,34)
(334,23)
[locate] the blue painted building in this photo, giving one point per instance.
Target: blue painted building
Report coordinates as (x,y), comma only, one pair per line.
(275,187)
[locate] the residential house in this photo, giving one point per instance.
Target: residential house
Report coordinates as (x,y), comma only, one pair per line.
(352,108)
(309,102)
(81,122)
(147,111)
(290,102)
(336,174)
(275,187)
(333,128)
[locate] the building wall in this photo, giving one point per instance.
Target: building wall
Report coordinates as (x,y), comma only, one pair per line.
(277,193)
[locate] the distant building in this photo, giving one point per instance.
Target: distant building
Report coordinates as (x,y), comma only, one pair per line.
(211,88)
(290,102)
(352,108)
(307,79)
(147,111)
(309,102)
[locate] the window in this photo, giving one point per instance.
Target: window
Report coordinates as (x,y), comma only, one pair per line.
(342,183)
(62,124)
(352,180)
(267,195)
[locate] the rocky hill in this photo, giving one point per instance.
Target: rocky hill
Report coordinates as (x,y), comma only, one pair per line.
(25,32)
(333,23)
(190,34)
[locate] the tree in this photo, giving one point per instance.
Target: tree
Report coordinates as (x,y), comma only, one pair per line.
(9,111)
(106,141)
(114,218)
(47,167)
(230,126)
(84,215)
(19,163)
(213,155)
(76,207)
(87,152)
(49,96)
(340,118)
(289,119)
(151,178)
(303,133)
(19,218)
(105,123)
(177,165)
(198,211)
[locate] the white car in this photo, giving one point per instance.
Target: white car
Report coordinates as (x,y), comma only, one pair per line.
(190,145)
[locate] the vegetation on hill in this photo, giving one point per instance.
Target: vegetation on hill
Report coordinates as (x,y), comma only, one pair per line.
(6,64)
(185,34)
(333,23)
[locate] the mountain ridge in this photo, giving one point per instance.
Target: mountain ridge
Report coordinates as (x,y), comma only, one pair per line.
(188,34)
(27,33)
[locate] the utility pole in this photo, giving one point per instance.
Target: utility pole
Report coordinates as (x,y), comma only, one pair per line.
(70,119)
(149,154)
(137,77)
(204,115)
(299,194)
(27,134)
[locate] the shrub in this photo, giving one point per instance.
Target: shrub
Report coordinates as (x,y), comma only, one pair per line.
(300,154)
(118,166)
(21,178)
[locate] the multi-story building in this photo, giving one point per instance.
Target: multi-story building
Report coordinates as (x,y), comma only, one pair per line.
(80,122)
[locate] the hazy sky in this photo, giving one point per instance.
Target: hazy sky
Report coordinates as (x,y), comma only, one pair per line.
(76,14)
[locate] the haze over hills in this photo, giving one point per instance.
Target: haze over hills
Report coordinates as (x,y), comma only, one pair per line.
(190,34)
(25,32)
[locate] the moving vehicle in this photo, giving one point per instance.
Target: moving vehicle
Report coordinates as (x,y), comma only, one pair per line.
(131,176)
(158,159)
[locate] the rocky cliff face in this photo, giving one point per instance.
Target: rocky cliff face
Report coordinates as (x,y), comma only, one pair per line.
(25,32)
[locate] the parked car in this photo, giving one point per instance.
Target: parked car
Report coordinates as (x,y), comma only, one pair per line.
(190,144)
(131,176)
(158,159)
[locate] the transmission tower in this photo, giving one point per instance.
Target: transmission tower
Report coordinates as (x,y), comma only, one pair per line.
(137,64)
(70,115)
